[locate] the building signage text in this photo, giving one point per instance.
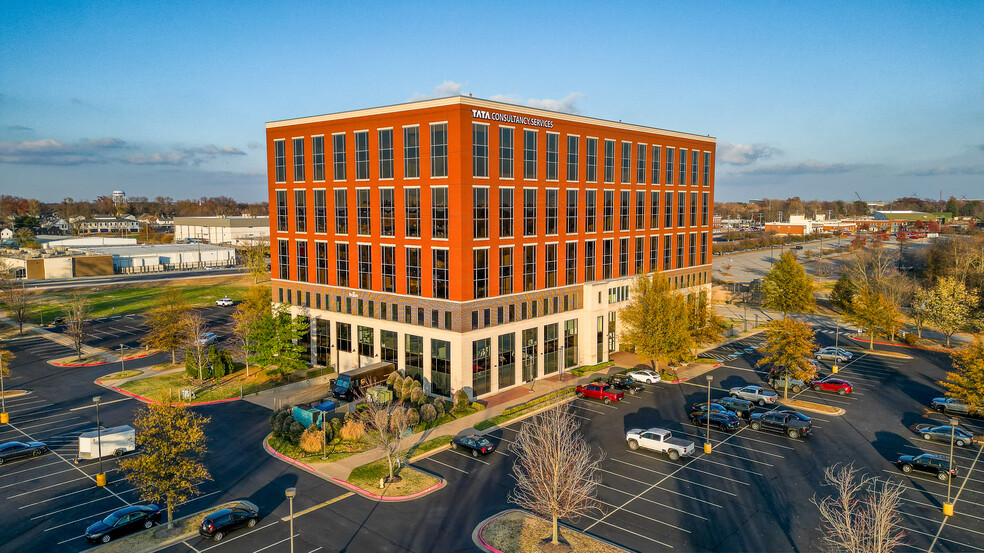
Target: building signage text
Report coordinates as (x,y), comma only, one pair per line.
(506,118)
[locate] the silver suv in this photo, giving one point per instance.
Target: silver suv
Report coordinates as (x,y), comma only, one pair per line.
(839,355)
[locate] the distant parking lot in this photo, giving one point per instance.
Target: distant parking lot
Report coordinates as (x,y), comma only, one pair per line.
(129,330)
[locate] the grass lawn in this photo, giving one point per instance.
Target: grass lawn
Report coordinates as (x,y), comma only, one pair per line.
(74,360)
(429,445)
(159,387)
(517,411)
(412,481)
(336,450)
(138,298)
(121,375)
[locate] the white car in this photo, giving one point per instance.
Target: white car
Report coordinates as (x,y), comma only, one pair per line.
(646,375)
(207,338)
(224,302)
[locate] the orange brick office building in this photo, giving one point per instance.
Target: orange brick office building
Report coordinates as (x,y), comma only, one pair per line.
(479,245)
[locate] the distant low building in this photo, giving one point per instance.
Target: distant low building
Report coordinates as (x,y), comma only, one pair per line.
(234,230)
(108,224)
(163,257)
(53,242)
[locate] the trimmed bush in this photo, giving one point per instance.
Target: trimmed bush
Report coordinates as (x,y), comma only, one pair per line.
(293,434)
(416,394)
(336,427)
(440,407)
(461,402)
(312,440)
(352,430)
(910,338)
(277,422)
(408,386)
(428,413)
(413,417)
(391,379)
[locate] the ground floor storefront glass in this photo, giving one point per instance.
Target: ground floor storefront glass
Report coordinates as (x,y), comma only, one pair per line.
(507,360)
(481,366)
(440,367)
(570,344)
(323,339)
(550,345)
(529,354)
(388,347)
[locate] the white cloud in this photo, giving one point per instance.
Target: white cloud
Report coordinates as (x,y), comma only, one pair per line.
(211,151)
(949,170)
(158,158)
(809,167)
(565,104)
(447,88)
(254,145)
(48,151)
(745,154)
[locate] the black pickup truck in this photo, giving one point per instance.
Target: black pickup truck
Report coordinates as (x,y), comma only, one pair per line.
(780,421)
(622,382)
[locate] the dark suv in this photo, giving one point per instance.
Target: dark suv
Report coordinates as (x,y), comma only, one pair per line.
(932,464)
(779,421)
(622,382)
(740,407)
(223,521)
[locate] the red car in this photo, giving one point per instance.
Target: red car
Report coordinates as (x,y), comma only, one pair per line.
(842,387)
(601,391)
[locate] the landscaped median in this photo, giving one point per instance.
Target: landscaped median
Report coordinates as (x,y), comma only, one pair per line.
(413,483)
(159,537)
(517,411)
(74,361)
(813,407)
(168,387)
(516,531)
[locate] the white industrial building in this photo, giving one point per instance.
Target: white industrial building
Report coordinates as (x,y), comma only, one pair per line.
(236,230)
(53,242)
(163,257)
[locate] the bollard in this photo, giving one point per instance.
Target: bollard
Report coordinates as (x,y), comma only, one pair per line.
(101,479)
(707,448)
(948,509)
(833,369)
(4,418)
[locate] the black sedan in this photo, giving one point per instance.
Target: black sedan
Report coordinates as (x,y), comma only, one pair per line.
(477,444)
(122,522)
(218,524)
(725,422)
(932,464)
(960,436)
(16,450)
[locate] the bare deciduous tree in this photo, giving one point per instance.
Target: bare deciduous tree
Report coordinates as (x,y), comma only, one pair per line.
(385,425)
(194,326)
(556,473)
(18,302)
(862,515)
(77,316)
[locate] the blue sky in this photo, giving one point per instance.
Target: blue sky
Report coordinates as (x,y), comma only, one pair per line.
(816,100)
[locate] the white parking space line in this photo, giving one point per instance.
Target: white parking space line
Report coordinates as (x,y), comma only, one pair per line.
(927,479)
(64,495)
(938,520)
(700,437)
(35,467)
(104,403)
(707,459)
(277,543)
(657,521)
(680,478)
(49,513)
(34,401)
(444,464)
(466,456)
(925,446)
(671,507)
(71,539)
(243,534)
(691,467)
(743,436)
(962,546)
(49,423)
(654,487)
(35,490)
(61,414)
(597,404)
(95,516)
(602,521)
(578,406)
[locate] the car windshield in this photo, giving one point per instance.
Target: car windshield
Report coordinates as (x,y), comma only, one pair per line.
(111,519)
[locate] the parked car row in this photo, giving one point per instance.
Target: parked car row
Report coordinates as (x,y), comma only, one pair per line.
(134,518)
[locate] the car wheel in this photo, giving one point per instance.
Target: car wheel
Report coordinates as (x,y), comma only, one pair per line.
(632,392)
(474,453)
(816,388)
(650,381)
(959,443)
(756,425)
(37,452)
(633,445)
(148,523)
(942,476)
(940,408)
(119,452)
(1,460)
(761,403)
(927,436)
(674,455)
(251,523)
(580,395)
(796,389)
(218,536)
(793,433)
(734,395)
(454,445)
(105,538)
(607,401)
(907,468)
(841,392)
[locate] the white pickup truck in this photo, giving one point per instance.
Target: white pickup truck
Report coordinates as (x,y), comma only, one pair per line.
(659,440)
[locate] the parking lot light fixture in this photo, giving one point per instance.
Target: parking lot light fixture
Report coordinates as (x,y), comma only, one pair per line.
(833,368)
(101,476)
(948,506)
(290,493)
(4,415)
(707,444)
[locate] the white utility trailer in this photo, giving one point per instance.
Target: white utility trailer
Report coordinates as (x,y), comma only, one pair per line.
(115,441)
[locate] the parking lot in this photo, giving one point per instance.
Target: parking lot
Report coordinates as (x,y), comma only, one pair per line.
(128,330)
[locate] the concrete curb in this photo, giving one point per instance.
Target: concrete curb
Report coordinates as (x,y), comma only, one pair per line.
(78,365)
(10,394)
(393,499)
(480,542)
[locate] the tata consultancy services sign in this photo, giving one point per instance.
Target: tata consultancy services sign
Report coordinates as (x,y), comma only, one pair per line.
(506,118)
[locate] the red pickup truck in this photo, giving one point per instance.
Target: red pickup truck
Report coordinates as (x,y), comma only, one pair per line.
(599,390)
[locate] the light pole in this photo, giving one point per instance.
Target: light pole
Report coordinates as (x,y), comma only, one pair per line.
(948,506)
(290,493)
(101,476)
(122,361)
(4,415)
(837,335)
(707,444)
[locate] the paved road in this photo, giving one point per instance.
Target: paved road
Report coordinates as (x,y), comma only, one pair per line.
(112,280)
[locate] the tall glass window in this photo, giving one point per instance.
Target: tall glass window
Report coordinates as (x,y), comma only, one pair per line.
(506,270)
(570,344)
(590,210)
(439,212)
(481,366)
(550,346)
(321,262)
(411,197)
(506,202)
(338,155)
(411,152)
(529,154)
(707,168)
(385,153)
(571,212)
(362,155)
(318,157)
(703,248)
(693,249)
(506,160)
(639,251)
(683,167)
(298,144)
(365,266)
(669,165)
(608,211)
(704,208)
(367,342)
(655,168)
(281,210)
(480,259)
(389,268)
(283,259)
(626,164)
(589,261)
(301,247)
(623,210)
(668,210)
(623,256)
(609,161)
(387,212)
(343,333)
(530,347)
(323,338)
(641,163)
(480,150)
(551,211)
(280,160)
(300,211)
(640,209)
(414,357)
(507,360)
(653,209)
(653,253)
(606,258)
(363,212)
(529,212)
(480,211)
(413,271)
(679,252)
(572,158)
(550,265)
(388,349)
(694,164)
(681,209)
(553,156)
(342,265)
(320,211)
(693,209)
(667,252)
(440,273)
(529,268)
(341,212)
(439,149)
(440,367)
(591,160)
(570,264)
